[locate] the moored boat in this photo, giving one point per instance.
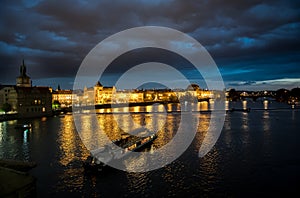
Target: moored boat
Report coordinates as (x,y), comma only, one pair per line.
(23,126)
(99,158)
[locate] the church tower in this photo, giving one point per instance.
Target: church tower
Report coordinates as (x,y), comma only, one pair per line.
(23,80)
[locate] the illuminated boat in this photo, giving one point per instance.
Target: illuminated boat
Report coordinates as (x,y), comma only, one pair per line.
(120,148)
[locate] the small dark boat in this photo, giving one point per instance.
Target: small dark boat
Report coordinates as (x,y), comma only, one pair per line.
(243,110)
(116,151)
(23,126)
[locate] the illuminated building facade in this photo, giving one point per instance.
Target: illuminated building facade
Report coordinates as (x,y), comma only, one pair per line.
(102,95)
(109,95)
(128,96)
(99,95)
(63,97)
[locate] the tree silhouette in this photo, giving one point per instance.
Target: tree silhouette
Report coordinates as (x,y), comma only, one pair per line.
(233,95)
(6,107)
(282,95)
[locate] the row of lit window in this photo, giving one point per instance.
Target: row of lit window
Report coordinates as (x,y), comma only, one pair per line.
(37,102)
(43,109)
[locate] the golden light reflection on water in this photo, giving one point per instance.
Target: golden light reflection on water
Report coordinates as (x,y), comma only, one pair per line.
(71,150)
(138,162)
(169,130)
(67,140)
(44,119)
(169,107)
(266,104)
(172,177)
(210,165)
(161,108)
(138,182)
(166,125)
(204,120)
(202,106)
(244,104)
(115,124)
(226,105)
(211,105)
(137,109)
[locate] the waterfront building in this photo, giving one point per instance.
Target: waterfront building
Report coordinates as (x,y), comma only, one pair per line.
(101,94)
(25,100)
(8,95)
(128,96)
(164,95)
(201,94)
(63,97)
(77,98)
(23,80)
(136,96)
(88,96)
(205,94)
(34,101)
(149,95)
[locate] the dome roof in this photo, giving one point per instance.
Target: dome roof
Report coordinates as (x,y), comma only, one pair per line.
(193,87)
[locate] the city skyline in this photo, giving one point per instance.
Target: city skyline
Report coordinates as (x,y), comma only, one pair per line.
(253,49)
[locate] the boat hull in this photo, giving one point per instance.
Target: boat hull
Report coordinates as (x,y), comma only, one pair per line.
(91,166)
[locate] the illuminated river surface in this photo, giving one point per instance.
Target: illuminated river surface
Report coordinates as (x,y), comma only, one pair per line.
(257,154)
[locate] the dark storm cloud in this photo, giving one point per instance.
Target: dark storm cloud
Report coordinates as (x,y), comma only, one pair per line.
(249,40)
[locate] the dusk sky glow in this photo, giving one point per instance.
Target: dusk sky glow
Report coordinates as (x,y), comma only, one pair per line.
(255,44)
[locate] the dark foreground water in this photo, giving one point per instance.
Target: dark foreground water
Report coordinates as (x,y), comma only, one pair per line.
(257,154)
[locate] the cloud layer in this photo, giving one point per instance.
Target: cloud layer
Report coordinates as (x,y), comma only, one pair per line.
(251,41)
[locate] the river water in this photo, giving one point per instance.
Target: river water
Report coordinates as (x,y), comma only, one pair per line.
(257,154)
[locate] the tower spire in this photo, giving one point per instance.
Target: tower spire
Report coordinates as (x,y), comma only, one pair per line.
(23,69)
(23,80)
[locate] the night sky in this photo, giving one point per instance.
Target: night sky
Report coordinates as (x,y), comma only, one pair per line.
(255,44)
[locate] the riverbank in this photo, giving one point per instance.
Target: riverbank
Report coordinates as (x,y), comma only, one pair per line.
(5,117)
(16,184)
(15,116)
(14,179)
